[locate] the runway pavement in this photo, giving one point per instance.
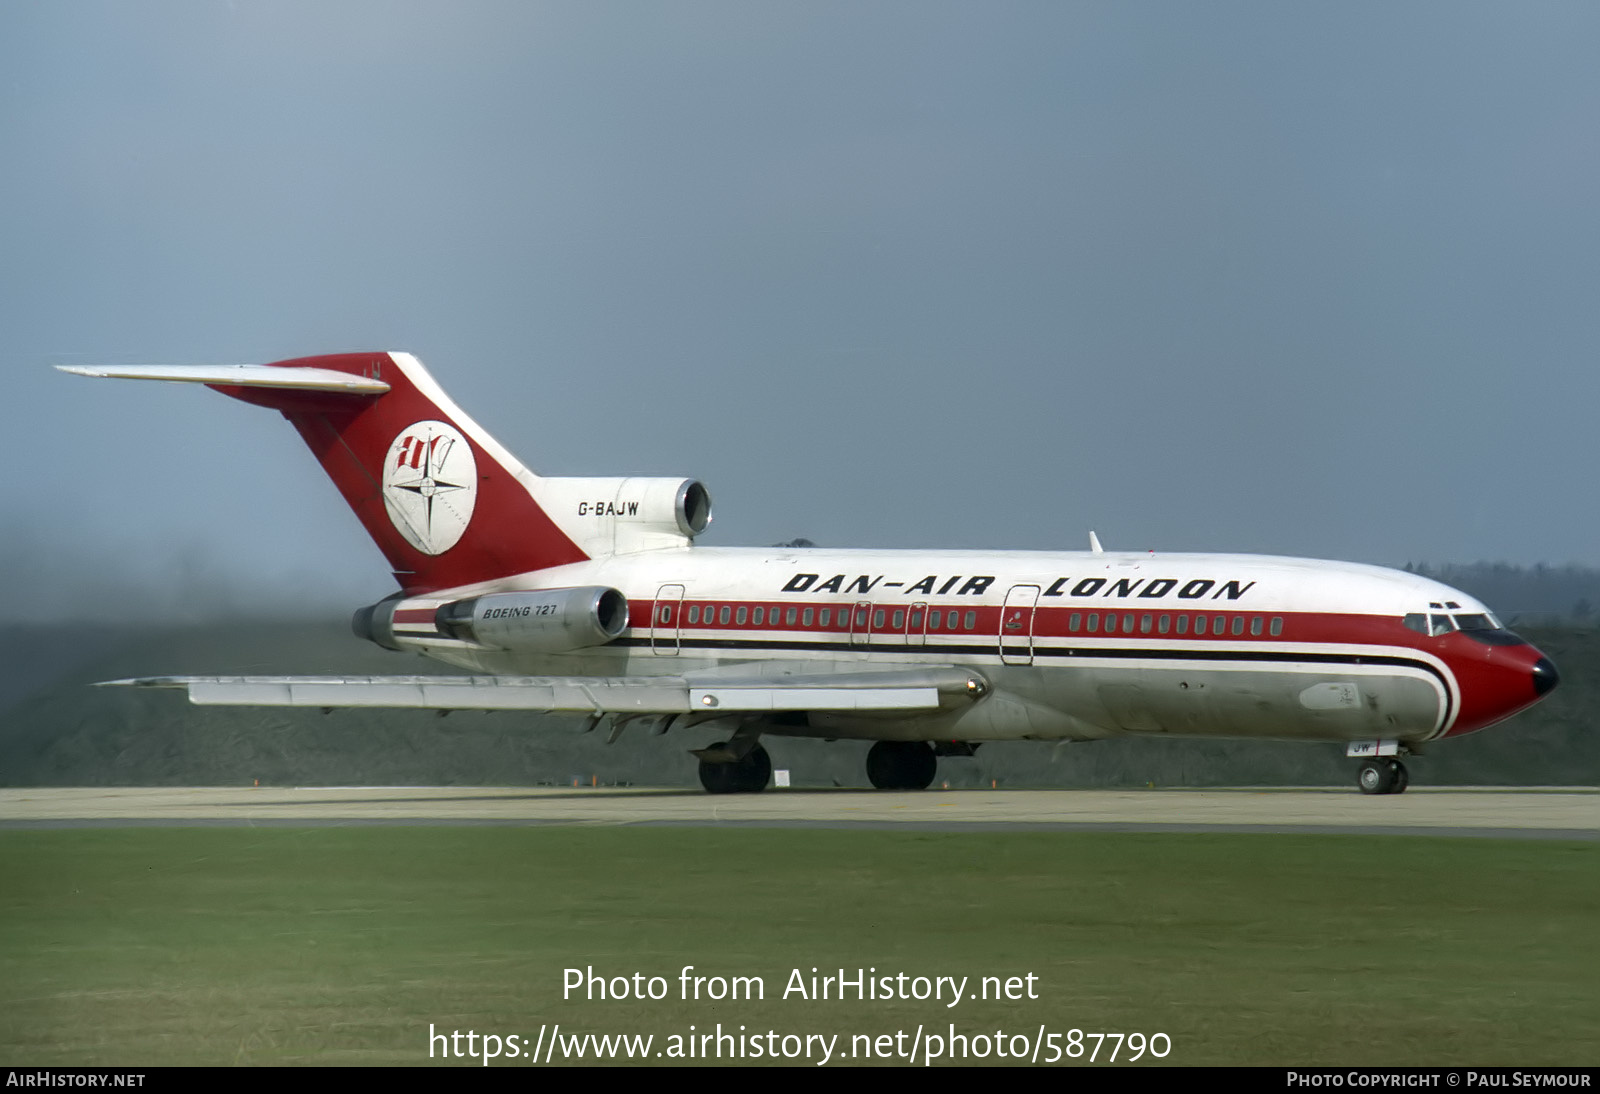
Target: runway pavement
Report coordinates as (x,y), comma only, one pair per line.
(1568,813)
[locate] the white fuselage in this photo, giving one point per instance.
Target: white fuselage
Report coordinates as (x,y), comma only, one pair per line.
(1076,645)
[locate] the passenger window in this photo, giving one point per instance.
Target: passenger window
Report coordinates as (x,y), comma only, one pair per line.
(971,620)
(877,620)
(822,620)
(1255,624)
(805,617)
(1183,624)
(899,619)
(1127,624)
(1094,622)
(759,615)
(934,619)
(740,615)
(1199,624)
(724,614)
(694,613)
(1145,623)
(1073,620)
(1238,624)
(916,619)
(1277,625)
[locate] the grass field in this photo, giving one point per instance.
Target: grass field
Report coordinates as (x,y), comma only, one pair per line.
(341,945)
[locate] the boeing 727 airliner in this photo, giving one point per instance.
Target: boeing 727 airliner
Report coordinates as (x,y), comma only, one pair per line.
(588,596)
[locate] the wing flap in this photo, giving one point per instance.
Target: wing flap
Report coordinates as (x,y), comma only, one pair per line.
(533,693)
(813,698)
(913,690)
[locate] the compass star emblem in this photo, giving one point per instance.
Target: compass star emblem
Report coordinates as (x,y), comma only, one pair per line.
(430,485)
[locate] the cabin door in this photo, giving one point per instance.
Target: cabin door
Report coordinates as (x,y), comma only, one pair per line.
(1016,625)
(666,620)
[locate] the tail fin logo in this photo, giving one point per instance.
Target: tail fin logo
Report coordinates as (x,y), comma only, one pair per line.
(430,484)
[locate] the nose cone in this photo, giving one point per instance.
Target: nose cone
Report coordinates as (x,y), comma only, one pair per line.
(1545,676)
(1498,680)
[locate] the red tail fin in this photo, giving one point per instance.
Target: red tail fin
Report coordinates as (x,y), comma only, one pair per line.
(445,502)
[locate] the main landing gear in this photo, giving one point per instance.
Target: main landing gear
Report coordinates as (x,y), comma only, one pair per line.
(746,775)
(1383,776)
(901,765)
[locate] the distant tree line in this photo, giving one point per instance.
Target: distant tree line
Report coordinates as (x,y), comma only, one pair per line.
(1532,594)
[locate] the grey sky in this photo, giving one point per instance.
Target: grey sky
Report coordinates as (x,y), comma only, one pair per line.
(1288,278)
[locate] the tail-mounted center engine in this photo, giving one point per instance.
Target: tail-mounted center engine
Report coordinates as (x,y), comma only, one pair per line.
(538,621)
(606,516)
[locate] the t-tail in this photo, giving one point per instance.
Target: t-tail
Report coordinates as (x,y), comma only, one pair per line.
(446,503)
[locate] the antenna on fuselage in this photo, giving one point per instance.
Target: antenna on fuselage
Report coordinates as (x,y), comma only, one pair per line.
(1094,544)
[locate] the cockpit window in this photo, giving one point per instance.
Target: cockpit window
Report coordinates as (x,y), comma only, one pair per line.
(1479,626)
(1496,637)
(1485,628)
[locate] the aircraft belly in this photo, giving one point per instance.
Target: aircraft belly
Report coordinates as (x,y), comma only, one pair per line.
(1280,704)
(1085,700)
(1086,703)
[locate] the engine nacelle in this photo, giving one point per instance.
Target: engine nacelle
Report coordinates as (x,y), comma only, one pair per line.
(625,515)
(375,622)
(540,621)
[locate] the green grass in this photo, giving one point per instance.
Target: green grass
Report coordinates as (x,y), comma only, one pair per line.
(341,945)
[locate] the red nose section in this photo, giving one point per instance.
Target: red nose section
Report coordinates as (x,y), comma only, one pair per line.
(1497,681)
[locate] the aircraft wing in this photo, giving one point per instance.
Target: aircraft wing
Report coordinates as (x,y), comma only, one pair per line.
(907,690)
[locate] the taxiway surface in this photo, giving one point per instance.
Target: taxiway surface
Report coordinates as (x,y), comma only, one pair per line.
(1565,813)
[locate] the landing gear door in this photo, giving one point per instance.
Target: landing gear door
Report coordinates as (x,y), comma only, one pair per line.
(666,620)
(1016,625)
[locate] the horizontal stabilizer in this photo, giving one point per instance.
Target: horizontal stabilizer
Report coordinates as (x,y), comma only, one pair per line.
(571,694)
(295,379)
